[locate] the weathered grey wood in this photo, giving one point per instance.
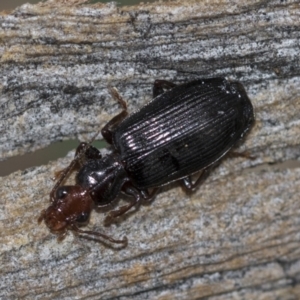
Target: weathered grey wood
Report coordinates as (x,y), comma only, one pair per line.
(56,61)
(237,237)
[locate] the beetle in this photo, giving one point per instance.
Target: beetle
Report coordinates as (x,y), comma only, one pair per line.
(185,129)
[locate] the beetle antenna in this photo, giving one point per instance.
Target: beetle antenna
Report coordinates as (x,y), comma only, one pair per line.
(70,167)
(98,234)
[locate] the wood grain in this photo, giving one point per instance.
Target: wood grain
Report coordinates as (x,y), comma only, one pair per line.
(237,237)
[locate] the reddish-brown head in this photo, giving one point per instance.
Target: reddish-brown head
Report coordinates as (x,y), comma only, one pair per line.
(72,205)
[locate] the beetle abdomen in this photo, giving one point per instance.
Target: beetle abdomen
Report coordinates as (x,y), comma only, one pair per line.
(183,131)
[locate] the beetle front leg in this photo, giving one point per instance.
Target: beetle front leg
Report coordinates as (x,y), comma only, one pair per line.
(109,128)
(86,152)
(90,152)
(160,85)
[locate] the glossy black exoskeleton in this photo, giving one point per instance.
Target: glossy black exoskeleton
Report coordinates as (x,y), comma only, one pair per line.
(185,129)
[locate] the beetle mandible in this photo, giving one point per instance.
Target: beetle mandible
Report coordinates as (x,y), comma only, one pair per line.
(183,130)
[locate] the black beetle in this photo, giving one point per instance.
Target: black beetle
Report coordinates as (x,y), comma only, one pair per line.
(183,130)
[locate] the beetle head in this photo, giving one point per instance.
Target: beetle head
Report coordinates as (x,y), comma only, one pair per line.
(71,206)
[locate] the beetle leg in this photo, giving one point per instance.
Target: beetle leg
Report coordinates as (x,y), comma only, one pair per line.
(108,129)
(90,152)
(190,186)
(80,148)
(123,209)
(138,196)
(148,197)
(160,85)
(244,154)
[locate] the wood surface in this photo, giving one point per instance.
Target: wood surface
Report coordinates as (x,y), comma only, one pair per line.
(238,236)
